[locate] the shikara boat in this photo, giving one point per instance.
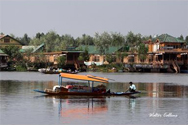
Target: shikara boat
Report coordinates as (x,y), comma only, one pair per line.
(53,71)
(124,93)
(89,90)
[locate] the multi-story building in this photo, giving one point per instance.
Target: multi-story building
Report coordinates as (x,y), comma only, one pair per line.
(168,50)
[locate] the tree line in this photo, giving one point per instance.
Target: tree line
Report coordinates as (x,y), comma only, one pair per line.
(56,42)
(102,41)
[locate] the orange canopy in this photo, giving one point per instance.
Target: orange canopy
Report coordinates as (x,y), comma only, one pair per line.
(84,77)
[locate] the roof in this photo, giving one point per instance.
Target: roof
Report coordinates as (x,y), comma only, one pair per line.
(24,48)
(71,51)
(167,38)
(38,48)
(2,37)
(93,49)
(61,52)
(2,53)
(84,77)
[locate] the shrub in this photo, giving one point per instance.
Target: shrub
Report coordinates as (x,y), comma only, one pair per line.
(20,67)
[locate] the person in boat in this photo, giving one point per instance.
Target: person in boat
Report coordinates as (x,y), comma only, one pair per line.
(132,87)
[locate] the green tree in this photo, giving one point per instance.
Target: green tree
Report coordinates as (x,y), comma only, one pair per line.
(25,39)
(13,53)
(85,40)
(110,58)
(42,60)
(84,56)
(142,51)
(117,39)
(186,39)
(28,54)
(39,35)
(61,61)
(133,40)
(120,55)
(51,40)
(67,41)
(36,41)
(102,42)
(181,37)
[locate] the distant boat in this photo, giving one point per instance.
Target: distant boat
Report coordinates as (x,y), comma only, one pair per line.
(183,71)
(99,90)
(53,71)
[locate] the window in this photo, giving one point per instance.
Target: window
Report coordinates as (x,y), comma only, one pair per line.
(7,40)
(96,58)
(131,59)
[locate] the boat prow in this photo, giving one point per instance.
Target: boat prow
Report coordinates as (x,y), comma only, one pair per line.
(123,93)
(40,91)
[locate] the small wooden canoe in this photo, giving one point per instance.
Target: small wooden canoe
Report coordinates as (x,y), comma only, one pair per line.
(87,93)
(124,93)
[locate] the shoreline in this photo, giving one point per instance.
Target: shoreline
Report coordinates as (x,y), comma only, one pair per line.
(173,78)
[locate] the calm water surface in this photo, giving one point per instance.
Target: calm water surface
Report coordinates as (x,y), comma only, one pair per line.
(164,100)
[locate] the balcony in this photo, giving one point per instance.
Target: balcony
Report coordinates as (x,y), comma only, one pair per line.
(172,50)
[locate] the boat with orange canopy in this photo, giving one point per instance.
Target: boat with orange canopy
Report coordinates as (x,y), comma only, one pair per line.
(86,90)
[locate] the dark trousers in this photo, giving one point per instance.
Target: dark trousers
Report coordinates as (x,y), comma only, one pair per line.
(131,90)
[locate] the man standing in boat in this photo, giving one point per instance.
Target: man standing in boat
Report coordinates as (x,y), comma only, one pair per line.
(132,87)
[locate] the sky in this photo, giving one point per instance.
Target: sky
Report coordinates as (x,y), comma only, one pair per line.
(77,17)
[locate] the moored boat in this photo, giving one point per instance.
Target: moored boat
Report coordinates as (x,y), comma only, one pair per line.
(56,71)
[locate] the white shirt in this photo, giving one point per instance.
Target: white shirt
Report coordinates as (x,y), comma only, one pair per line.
(133,87)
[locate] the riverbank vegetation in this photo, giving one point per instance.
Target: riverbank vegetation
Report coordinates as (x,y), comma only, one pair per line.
(54,42)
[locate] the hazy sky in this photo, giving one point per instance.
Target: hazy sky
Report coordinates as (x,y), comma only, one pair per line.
(77,17)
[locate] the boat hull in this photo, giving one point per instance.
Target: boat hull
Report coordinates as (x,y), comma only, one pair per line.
(124,93)
(88,93)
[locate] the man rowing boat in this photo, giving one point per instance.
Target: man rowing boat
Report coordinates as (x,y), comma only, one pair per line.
(132,87)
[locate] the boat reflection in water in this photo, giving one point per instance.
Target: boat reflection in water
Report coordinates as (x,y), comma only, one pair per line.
(20,105)
(78,107)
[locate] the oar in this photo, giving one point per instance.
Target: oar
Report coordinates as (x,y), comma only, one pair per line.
(91,76)
(95,77)
(111,79)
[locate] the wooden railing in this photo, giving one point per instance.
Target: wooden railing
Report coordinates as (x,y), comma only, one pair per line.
(173,50)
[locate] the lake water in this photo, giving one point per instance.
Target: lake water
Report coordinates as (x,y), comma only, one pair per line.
(164,100)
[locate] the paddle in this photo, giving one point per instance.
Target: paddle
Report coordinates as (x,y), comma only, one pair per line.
(91,76)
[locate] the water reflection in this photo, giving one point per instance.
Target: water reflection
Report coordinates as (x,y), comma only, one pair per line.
(21,105)
(79,107)
(132,103)
(166,90)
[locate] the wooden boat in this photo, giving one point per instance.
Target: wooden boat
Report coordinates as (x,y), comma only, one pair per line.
(53,71)
(89,90)
(183,71)
(124,93)
(87,94)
